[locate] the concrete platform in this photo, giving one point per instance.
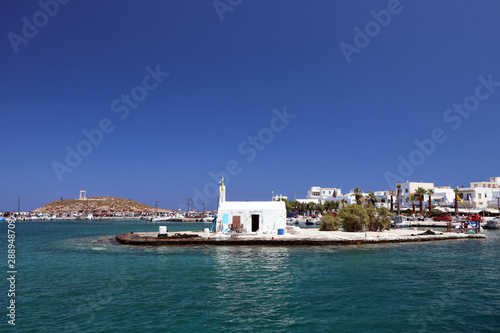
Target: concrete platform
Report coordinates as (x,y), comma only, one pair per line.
(307,237)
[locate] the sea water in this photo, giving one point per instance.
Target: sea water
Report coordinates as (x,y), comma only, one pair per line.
(72,277)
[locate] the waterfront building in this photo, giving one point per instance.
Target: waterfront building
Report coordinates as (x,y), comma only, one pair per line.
(444,196)
(384,199)
(249,216)
(319,195)
(480,195)
(324,194)
(408,190)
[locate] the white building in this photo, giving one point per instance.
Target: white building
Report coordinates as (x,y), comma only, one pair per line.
(322,194)
(280,197)
(314,201)
(444,196)
(408,189)
(480,194)
(249,216)
(384,199)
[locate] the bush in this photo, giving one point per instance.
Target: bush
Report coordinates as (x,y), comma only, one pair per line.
(329,223)
(407,212)
(435,212)
(379,219)
(354,217)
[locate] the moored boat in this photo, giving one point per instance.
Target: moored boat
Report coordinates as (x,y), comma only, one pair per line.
(493,224)
(208,219)
(161,218)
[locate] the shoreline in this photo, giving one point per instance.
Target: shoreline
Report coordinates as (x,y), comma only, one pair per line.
(307,237)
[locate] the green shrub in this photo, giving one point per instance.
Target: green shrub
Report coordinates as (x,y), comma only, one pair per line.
(329,223)
(379,219)
(435,212)
(407,212)
(354,217)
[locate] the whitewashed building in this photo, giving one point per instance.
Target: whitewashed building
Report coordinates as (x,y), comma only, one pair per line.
(319,195)
(280,197)
(480,194)
(384,199)
(249,216)
(443,196)
(408,189)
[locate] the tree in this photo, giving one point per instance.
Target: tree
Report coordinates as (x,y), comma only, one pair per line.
(344,202)
(334,193)
(335,205)
(379,219)
(457,193)
(319,208)
(430,192)
(357,195)
(398,186)
(327,206)
(371,199)
(308,206)
(391,193)
(330,223)
(420,192)
(354,218)
(413,198)
(384,218)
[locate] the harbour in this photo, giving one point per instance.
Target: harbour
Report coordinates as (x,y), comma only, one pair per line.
(80,280)
(250,166)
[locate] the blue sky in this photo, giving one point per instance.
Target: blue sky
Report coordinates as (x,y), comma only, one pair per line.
(350,119)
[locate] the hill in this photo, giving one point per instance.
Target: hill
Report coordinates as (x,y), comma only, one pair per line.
(97,205)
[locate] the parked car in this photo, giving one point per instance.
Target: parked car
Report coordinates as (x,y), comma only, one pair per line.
(475,218)
(442,217)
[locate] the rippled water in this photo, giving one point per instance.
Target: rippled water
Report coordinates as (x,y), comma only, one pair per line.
(73,278)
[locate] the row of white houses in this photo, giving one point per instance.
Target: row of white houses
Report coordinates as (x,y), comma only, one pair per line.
(480,195)
(270,216)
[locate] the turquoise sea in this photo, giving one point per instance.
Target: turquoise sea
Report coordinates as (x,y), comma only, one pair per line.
(72,278)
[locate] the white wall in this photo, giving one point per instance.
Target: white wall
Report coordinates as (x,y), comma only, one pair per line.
(272,214)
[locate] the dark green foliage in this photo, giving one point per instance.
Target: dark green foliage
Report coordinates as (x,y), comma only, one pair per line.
(379,219)
(354,218)
(330,223)
(407,212)
(436,212)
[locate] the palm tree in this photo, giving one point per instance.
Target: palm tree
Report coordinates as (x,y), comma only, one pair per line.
(420,192)
(371,199)
(457,192)
(398,186)
(344,202)
(430,192)
(357,195)
(413,198)
(391,193)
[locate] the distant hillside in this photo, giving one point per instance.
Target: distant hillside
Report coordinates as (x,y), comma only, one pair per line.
(96,204)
